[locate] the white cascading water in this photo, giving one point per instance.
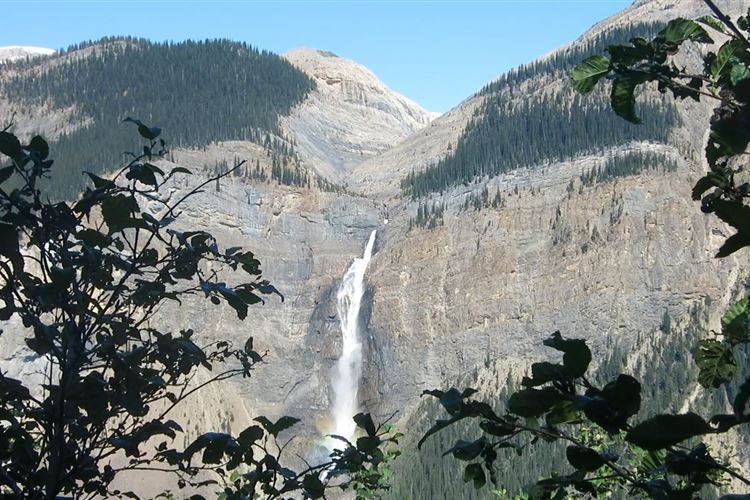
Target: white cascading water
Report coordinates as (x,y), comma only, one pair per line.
(348,368)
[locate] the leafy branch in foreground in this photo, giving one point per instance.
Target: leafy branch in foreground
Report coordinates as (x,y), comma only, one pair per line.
(663,457)
(559,403)
(87,280)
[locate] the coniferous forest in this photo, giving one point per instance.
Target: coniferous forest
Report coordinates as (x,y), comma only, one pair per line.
(198,92)
(662,361)
(552,125)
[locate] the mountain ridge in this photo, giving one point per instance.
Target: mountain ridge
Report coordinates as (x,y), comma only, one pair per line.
(11,53)
(350,116)
(596,260)
(381,177)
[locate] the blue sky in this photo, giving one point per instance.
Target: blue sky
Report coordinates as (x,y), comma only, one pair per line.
(435,52)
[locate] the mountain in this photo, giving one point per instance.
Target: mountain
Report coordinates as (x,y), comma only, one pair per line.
(206,92)
(498,118)
(350,116)
(16,52)
(596,239)
(494,227)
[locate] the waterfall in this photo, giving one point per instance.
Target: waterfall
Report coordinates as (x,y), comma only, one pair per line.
(348,368)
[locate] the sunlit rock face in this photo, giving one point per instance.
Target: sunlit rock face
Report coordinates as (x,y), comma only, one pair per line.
(598,262)
(350,116)
(16,52)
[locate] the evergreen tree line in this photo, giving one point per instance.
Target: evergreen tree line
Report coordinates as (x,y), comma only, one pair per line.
(478,200)
(564,60)
(513,131)
(428,216)
(631,163)
(197,91)
(286,171)
(537,131)
(667,374)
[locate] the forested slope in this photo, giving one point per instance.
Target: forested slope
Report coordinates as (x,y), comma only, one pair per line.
(532,116)
(198,92)
(663,364)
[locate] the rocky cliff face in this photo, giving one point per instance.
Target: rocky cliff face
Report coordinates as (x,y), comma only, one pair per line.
(351,116)
(15,52)
(593,261)
(597,261)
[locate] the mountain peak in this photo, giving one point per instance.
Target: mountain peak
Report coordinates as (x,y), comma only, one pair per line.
(351,115)
(15,52)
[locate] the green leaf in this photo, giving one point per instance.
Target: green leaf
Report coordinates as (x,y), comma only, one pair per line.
(739,73)
(611,407)
(563,413)
(214,446)
(146,132)
(438,426)
(234,301)
(62,277)
(40,146)
(249,435)
(100,182)
(496,428)
(729,137)
(735,324)
(9,145)
(589,71)
(733,213)
(534,402)
(475,473)
(680,29)
(624,394)
(179,170)
(9,241)
(467,450)
(93,238)
(280,425)
(6,172)
(369,444)
(544,372)
(623,97)
(116,211)
(716,363)
(732,244)
(364,421)
(629,55)
(576,357)
(313,486)
(584,459)
(143,173)
(743,396)
(712,22)
(663,431)
(724,57)
(452,401)
(650,461)
(711,180)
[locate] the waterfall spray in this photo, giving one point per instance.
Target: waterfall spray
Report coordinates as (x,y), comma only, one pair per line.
(348,368)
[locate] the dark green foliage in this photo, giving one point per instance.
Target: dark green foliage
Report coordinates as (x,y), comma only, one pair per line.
(87,286)
(480,200)
(630,163)
(200,91)
(671,459)
(428,216)
(288,174)
(564,62)
(533,132)
(613,407)
(511,133)
(667,379)
(663,431)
